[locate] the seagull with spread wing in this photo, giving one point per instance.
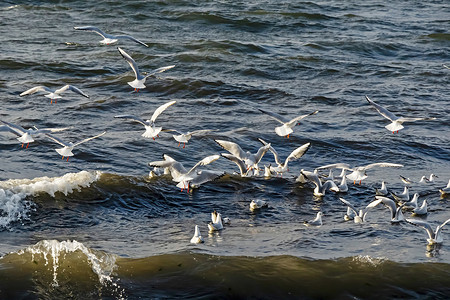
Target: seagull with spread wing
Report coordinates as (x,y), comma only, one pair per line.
(286,128)
(68,147)
(109,38)
(54,94)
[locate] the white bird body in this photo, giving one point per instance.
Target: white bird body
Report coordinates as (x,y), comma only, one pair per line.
(445,190)
(397,122)
(109,38)
(197,238)
(383,190)
(358,216)
(422,210)
(320,188)
(404,196)
(317,221)
(245,160)
(424,179)
(396,212)
(151,130)
(138,82)
(54,94)
(434,237)
(25,136)
(343,187)
(359,173)
(283,166)
(216,222)
(184,137)
(186,179)
(286,128)
(66,151)
(257,204)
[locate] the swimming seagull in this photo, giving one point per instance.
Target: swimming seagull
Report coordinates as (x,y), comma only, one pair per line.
(68,147)
(283,166)
(286,128)
(424,179)
(359,173)
(151,131)
(317,221)
(138,83)
(53,94)
(320,188)
(257,204)
(421,210)
(382,191)
(249,160)
(109,38)
(434,237)
(358,216)
(397,122)
(184,137)
(396,212)
(26,135)
(413,203)
(197,238)
(343,187)
(405,180)
(184,178)
(445,190)
(216,222)
(403,196)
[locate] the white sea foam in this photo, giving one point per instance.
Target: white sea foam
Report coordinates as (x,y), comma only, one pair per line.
(102,264)
(14,205)
(366,259)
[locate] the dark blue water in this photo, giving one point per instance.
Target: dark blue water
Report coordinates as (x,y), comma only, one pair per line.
(97,226)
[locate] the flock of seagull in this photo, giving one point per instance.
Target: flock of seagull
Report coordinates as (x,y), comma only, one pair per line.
(247,162)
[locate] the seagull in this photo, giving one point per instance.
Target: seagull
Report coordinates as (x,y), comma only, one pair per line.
(257,204)
(109,38)
(358,216)
(26,135)
(343,187)
(403,196)
(216,222)
(150,130)
(315,222)
(342,166)
(422,210)
(54,94)
(397,122)
(413,202)
(180,175)
(283,166)
(383,190)
(197,238)
(434,237)
(405,180)
(445,190)
(286,128)
(396,212)
(68,147)
(138,83)
(320,188)
(359,173)
(184,137)
(250,160)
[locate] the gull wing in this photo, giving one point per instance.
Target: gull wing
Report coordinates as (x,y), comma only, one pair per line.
(197,132)
(133,118)
(36,89)
(274,152)
(349,205)
(159,70)
(207,160)
(424,225)
(335,166)
(71,88)
(19,130)
(295,120)
(275,116)
(414,119)
(129,37)
(88,139)
(205,176)
(261,152)
(383,111)
(131,62)
(233,148)
(9,129)
(297,153)
(312,177)
(369,206)
(438,229)
(92,29)
(57,140)
(382,165)
(389,203)
(160,109)
(239,162)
